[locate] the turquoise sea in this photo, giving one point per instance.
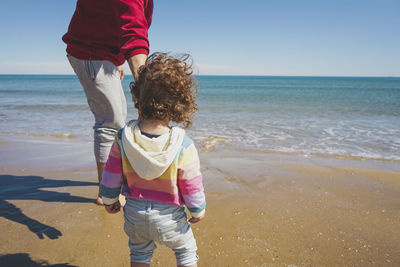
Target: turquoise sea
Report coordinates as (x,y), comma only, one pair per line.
(328,116)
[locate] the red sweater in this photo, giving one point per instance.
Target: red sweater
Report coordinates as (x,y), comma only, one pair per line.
(112,30)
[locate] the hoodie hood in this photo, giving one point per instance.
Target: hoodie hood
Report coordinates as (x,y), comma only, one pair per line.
(150,157)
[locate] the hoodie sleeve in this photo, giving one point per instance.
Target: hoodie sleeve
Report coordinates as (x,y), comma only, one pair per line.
(190,180)
(110,186)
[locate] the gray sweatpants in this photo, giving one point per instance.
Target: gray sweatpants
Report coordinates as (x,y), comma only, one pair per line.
(101,82)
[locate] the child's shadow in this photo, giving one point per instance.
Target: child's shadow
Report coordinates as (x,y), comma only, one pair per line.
(30,188)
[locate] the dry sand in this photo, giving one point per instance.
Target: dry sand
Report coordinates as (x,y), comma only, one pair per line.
(263,210)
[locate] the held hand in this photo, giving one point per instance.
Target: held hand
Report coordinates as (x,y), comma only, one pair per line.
(113,208)
(196,220)
(121,71)
(135,62)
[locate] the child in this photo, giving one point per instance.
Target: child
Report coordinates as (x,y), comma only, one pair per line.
(157,165)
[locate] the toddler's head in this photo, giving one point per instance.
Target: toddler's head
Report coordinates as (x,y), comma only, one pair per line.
(165,89)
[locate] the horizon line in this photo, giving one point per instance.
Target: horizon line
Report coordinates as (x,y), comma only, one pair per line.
(226,75)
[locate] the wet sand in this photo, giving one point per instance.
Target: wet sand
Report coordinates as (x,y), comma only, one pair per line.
(263,209)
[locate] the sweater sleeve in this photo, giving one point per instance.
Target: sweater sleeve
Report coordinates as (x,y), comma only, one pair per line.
(190,181)
(134,19)
(110,186)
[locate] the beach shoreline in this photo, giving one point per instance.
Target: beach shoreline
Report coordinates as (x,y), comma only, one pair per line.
(263,209)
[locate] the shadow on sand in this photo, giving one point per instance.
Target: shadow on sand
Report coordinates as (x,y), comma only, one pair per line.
(31,188)
(23,259)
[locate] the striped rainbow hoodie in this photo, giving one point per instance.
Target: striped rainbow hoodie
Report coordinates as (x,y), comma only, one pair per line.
(164,169)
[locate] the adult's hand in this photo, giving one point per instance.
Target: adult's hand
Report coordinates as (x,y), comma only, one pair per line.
(121,72)
(135,62)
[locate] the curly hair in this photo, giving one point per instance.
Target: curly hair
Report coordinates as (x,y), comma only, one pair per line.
(166,89)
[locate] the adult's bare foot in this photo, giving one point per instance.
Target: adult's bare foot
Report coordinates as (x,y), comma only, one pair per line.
(99,201)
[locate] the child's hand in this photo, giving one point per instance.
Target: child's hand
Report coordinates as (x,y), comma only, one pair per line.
(196,220)
(113,208)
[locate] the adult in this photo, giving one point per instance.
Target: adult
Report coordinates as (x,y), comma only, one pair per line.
(103,34)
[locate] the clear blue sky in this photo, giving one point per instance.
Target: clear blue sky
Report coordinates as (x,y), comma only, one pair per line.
(260,37)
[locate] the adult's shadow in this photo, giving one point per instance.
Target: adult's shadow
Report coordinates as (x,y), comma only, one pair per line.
(23,259)
(31,188)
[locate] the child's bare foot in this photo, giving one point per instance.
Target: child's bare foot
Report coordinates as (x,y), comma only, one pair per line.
(99,201)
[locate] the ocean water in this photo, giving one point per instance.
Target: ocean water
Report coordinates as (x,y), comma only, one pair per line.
(328,116)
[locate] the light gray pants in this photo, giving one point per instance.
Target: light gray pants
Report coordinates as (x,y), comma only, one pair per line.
(102,85)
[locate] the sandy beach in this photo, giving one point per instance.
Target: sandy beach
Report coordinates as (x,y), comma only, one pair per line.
(263,209)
